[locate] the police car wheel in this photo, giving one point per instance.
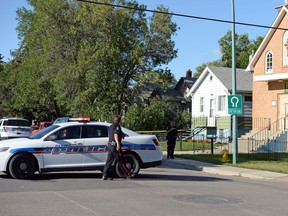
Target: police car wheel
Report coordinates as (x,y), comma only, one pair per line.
(131,163)
(22,166)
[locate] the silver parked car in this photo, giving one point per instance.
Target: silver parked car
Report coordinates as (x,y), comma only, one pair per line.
(14,128)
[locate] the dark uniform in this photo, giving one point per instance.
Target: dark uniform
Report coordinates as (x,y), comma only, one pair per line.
(113,154)
(172,134)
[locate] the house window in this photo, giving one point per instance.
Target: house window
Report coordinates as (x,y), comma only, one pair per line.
(221,102)
(201,104)
(285,49)
(211,113)
(269,62)
(211,78)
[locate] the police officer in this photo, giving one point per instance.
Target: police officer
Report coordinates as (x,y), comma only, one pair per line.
(115,135)
(172,134)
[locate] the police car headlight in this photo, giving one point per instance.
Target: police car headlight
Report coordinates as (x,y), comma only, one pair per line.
(3,149)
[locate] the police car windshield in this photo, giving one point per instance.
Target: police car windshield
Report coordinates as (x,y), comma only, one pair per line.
(43,132)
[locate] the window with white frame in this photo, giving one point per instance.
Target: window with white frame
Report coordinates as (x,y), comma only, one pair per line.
(201,104)
(221,102)
(269,62)
(285,49)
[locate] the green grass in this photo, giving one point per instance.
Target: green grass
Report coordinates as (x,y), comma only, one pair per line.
(244,161)
(189,146)
(268,162)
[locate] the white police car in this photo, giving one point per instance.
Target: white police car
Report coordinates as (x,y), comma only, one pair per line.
(75,146)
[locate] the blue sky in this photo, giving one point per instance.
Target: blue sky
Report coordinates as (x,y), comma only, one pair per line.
(196,41)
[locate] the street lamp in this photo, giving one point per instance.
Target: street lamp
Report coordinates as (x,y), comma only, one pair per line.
(234,117)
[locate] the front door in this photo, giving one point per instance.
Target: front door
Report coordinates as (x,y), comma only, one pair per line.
(283,111)
(211,118)
(64,149)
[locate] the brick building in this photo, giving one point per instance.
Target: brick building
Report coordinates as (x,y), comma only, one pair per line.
(270,74)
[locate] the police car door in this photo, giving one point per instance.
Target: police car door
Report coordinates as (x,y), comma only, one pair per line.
(95,141)
(65,148)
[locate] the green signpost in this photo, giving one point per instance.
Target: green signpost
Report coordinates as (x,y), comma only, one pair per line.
(235,104)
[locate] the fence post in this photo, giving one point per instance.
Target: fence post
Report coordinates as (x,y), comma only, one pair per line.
(248,147)
(180,141)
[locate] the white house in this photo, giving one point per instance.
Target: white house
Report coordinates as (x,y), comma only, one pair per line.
(209,96)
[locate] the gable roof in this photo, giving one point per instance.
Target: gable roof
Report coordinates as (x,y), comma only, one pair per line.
(187,81)
(224,74)
(148,90)
(244,79)
(267,38)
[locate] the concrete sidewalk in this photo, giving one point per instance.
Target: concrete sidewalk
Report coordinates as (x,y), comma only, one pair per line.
(222,170)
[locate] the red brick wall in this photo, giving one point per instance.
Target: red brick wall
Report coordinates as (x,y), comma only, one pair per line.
(266,92)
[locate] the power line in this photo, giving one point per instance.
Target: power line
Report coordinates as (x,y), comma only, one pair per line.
(183,15)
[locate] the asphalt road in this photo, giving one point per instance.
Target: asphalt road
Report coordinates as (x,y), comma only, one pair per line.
(162,191)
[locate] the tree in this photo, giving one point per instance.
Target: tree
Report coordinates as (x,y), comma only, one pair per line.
(1,62)
(160,76)
(244,47)
(132,118)
(201,68)
(78,58)
(154,116)
(183,120)
(3,89)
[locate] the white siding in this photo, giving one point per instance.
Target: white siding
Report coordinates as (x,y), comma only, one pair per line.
(209,89)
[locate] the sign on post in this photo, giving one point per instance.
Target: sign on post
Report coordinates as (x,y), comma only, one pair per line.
(235,104)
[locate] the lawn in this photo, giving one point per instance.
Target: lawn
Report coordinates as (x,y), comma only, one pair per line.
(267,162)
(244,161)
(190,146)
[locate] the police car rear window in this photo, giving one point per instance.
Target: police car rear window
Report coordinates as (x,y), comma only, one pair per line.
(94,131)
(17,122)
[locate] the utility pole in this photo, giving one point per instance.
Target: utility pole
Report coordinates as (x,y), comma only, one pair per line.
(234,117)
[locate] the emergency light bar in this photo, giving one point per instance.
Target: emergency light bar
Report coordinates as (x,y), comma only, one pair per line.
(80,119)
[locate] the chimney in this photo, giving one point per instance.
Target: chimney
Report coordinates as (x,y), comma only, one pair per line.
(189,73)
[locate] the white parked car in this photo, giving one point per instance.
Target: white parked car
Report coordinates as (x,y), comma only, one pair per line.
(75,146)
(14,128)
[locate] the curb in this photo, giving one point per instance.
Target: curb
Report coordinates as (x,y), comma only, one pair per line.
(223,170)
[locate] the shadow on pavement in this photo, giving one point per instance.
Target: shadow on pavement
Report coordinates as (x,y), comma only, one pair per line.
(98,176)
(167,177)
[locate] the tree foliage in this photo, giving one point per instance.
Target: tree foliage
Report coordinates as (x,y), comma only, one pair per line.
(201,68)
(1,62)
(244,47)
(160,76)
(156,116)
(83,59)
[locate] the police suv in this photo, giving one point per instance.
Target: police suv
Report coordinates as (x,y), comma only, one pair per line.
(75,146)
